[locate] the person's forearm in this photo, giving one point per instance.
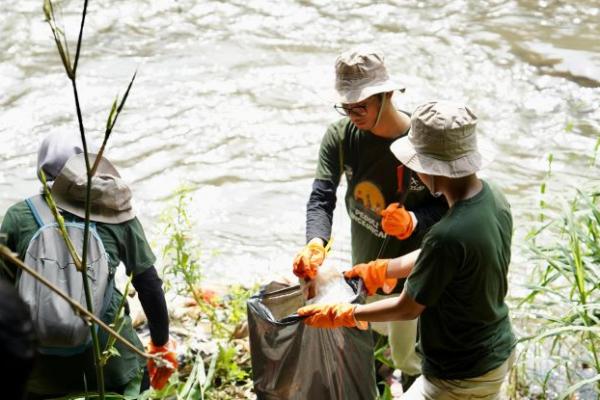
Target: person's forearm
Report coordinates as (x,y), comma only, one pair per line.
(401,267)
(394,309)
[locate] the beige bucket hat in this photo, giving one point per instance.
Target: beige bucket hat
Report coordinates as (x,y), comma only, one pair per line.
(110,195)
(442,141)
(361,73)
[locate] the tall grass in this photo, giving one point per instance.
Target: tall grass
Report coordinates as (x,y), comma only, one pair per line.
(561,354)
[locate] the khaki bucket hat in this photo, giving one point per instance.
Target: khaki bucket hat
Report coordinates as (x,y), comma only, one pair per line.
(361,73)
(110,195)
(442,141)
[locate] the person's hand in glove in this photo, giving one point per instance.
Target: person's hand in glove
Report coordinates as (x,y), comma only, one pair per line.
(309,259)
(159,374)
(373,275)
(398,222)
(331,316)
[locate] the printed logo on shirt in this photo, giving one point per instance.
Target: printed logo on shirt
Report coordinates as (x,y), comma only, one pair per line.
(416,185)
(369,196)
(367,221)
(366,204)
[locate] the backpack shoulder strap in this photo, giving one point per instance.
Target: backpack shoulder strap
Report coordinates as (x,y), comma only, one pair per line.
(40,210)
(42,213)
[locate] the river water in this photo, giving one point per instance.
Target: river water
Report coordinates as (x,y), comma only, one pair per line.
(232,99)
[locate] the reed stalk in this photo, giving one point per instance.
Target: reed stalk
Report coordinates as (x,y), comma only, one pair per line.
(564,304)
(71,71)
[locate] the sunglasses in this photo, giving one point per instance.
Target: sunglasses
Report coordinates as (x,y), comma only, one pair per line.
(358,110)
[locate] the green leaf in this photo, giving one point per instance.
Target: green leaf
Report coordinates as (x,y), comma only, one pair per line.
(212,367)
(569,127)
(111,115)
(48,10)
(113,352)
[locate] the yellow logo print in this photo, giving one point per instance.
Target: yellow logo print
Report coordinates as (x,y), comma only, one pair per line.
(369,195)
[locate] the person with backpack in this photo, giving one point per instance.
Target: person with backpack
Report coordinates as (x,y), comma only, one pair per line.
(389,207)
(65,363)
(457,282)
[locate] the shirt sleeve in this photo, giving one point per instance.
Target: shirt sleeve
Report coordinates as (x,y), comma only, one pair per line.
(322,200)
(134,250)
(429,213)
(7,229)
(330,163)
(434,270)
(151,295)
(319,210)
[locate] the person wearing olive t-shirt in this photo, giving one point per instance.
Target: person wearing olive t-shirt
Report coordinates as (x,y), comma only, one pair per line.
(358,146)
(60,157)
(457,281)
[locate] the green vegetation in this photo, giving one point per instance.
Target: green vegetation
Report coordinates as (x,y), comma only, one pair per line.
(216,363)
(110,350)
(559,353)
(564,303)
(182,257)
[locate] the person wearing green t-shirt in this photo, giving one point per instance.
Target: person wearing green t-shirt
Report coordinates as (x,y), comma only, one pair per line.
(60,157)
(457,282)
(358,146)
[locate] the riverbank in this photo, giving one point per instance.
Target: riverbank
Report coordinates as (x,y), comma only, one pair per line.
(553,315)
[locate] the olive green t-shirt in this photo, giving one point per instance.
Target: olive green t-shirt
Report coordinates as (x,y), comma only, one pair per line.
(461,278)
(375,179)
(123,242)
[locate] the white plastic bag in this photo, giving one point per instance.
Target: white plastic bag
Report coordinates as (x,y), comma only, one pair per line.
(330,286)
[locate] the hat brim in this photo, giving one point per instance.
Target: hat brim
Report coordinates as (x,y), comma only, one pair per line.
(97,214)
(63,182)
(356,96)
(458,168)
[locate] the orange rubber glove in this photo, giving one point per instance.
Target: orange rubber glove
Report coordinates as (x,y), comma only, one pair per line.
(308,260)
(373,275)
(159,375)
(397,221)
(331,316)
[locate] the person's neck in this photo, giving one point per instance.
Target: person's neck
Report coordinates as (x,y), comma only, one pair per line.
(392,124)
(458,189)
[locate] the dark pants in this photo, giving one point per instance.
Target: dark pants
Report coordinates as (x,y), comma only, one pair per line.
(143,387)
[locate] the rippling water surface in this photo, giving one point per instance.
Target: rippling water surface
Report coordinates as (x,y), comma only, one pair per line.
(232,98)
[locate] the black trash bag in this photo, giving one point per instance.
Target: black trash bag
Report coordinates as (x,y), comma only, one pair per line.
(293,361)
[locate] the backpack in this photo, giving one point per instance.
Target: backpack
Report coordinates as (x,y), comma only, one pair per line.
(60,330)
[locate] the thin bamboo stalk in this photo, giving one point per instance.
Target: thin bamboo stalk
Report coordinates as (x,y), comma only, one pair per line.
(71,71)
(60,221)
